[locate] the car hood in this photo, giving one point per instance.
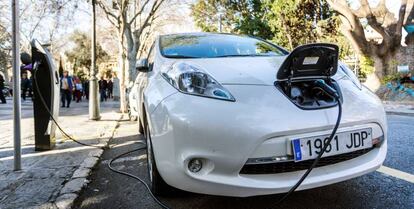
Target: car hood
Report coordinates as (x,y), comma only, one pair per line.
(241,70)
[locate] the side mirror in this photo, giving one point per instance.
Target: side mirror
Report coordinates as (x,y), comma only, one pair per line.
(142,65)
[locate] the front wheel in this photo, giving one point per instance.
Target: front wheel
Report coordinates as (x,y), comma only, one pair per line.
(158,185)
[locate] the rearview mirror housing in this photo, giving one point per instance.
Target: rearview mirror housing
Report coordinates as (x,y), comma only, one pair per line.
(142,65)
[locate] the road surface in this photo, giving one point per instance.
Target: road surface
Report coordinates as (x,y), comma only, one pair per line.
(390,188)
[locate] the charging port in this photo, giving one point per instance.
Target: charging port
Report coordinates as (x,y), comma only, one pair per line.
(306,94)
(305,77)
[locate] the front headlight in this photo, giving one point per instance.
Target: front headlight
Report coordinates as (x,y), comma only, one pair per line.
(350,75)
(192,80)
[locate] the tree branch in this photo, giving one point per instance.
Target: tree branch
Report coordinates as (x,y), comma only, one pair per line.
(401,18)
(109,15)
(152,12)
(364,11)
(410,11)
(139,12)
(354,31)
(372,21)
(342,8)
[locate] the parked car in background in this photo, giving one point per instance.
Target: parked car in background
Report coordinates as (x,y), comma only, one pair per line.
(132,102)
(134,93)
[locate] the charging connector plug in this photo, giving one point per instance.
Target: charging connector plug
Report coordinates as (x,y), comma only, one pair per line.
(328,89)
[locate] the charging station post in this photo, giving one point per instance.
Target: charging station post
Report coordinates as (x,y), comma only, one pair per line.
(16,85)
(46,83)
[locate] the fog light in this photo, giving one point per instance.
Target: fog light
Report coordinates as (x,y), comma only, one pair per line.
(195,165)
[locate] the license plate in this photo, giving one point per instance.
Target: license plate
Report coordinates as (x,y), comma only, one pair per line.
(309,147)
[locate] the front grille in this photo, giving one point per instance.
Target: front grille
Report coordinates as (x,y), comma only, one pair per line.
(291,166)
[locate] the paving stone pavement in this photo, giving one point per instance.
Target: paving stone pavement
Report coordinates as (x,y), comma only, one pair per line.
(52,179)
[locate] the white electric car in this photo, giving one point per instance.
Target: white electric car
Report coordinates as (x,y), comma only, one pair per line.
(238,116)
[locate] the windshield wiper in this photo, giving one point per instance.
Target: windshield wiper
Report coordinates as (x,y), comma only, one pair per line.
(242,55)
(219,56)
(180,56)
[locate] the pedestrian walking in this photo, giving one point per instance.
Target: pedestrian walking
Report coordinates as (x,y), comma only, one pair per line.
(66,88)
(30,87)
(2,99)
(25,86)
(74,91)
(78,89)
(110,88)
(103,85)
(86,89)
(11,84)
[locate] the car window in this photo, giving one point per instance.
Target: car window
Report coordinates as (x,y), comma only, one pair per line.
(215,45)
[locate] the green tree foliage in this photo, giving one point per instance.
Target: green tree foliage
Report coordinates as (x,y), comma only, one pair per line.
(237,16)
(366,65)
(296,22)
(80,54)
(288,23)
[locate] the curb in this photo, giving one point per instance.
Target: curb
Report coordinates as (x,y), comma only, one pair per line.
(390,112)
(71,189)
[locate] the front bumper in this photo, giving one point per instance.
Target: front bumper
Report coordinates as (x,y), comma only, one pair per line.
(226,134)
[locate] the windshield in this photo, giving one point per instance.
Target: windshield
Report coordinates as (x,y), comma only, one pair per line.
(215,45)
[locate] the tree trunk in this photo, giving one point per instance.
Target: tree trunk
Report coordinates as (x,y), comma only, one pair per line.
(122,78)
(384,64)
(382,68)
(131,65)
(131,52)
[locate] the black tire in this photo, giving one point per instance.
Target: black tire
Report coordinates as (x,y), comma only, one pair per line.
(158,185)
(140,127)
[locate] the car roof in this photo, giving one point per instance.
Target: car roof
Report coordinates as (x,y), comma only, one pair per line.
(203,34)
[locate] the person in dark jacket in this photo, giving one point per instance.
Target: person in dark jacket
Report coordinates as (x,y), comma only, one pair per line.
(110,88)
(78,89)
(103,86)
(11,86)
(2,99)
(66,88)
(25,86)
(86,89)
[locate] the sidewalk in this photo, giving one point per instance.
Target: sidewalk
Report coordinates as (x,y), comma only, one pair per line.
(399,108)
(52,179)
